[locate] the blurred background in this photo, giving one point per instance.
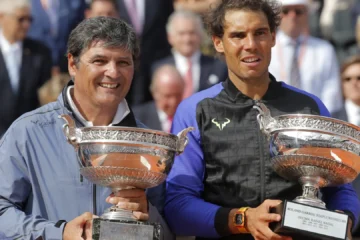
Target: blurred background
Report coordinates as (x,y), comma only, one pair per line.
(318,46)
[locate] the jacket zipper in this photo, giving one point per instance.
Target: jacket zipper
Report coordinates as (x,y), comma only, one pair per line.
(262,163)
(94,199)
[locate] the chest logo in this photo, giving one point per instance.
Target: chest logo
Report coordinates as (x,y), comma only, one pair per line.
(222,125)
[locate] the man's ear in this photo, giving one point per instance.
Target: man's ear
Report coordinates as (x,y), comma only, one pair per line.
(72,66)
(218,44)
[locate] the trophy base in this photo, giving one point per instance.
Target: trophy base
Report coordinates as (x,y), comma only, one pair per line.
(302,221)
(106,229)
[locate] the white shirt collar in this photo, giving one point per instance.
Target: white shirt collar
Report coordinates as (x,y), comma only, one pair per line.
(194,58)
(6,46)
(122,111)
(353,112)
(287,40)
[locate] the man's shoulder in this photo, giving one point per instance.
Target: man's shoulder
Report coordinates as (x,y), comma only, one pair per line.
(35,45)
(319,43)
(39,116)
(190,103)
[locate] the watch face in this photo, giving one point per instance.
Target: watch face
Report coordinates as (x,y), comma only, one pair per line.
(238,219)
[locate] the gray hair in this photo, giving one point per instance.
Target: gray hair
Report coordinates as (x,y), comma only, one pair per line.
(9,6)
(165,69)
(187,15)
(112,31)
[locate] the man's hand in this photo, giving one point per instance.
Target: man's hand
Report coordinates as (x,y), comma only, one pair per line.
(131,199)
(258,219)
(79,228)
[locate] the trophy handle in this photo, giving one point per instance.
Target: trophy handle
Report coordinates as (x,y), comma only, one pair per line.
(183,140)
(264,118)
(69,129)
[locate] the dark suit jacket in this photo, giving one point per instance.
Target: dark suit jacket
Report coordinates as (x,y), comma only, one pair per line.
(210,70)
(153,45)
(147,114)
(70,13)
(35,70)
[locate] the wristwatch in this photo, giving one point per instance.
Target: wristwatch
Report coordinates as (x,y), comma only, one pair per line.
(239,220)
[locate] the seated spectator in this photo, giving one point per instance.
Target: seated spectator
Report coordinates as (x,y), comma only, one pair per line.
(25,64)
(167,89)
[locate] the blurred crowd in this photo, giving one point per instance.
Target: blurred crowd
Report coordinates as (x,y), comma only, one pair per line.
(317,50)
(177,58)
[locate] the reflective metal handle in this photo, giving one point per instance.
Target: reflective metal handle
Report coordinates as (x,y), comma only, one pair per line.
(183,140)
(266,122)
(69,129)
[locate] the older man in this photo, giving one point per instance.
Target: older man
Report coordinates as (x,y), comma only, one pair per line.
(40,180)
(304,61)
(25,64)
(185,31)
(167,88)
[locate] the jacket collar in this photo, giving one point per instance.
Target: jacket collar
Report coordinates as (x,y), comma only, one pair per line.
(128,121)
(273,92)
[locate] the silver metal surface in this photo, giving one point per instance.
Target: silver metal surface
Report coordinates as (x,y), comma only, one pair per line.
(317,151)
(124,157)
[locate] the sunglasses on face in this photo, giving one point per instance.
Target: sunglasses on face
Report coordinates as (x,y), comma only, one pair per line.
(348,79)
(298,11)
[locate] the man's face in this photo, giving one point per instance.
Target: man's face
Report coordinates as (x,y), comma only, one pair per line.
(351,83)
(185,36)
(16,24)
(103,75)
(102,8)
(246,44)
(168,92)
(294,20)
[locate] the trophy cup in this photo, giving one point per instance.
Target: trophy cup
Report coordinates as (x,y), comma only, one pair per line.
(317,152)
(124,158)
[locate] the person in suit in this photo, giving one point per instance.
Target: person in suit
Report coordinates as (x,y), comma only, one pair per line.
(25,64)
(148,19)
(167,88)
(53,22)
(350,80)
(185,30)
(106,8)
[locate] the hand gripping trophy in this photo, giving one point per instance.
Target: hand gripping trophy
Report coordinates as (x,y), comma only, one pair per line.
(124,158)
(317,152)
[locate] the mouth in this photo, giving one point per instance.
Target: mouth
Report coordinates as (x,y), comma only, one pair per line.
(251,60)
(109,85)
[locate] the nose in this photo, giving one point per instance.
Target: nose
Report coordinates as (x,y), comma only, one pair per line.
(249,43)
(111,70)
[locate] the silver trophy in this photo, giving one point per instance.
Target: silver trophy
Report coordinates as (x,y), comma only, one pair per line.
(317,152)
(124,158)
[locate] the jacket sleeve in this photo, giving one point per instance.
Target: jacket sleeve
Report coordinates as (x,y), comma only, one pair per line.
(155,217)
(185,211)
(16,188)
(344,197)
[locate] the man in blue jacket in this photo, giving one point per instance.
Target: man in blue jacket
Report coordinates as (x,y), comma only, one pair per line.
(225,170)
(40,181)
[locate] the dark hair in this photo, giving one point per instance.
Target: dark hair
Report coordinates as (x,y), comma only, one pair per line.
(113,2)
(216,16)
(112,31)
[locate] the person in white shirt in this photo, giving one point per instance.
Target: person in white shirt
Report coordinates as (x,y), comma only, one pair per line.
(304,61)
(185,30)
(167,87)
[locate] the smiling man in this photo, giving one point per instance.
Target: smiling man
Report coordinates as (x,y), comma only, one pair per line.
(41,187)
(221,186)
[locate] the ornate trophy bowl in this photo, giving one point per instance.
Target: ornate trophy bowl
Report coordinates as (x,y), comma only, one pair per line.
(124,158)
(317,151)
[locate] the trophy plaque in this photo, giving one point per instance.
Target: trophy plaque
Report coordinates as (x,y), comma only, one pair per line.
(317,152)
(124,158)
